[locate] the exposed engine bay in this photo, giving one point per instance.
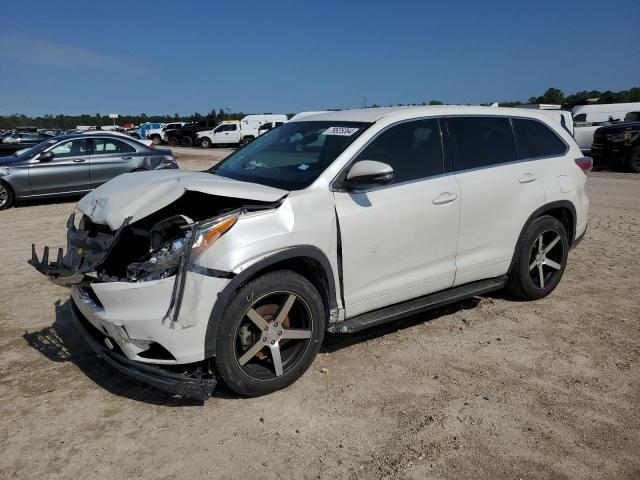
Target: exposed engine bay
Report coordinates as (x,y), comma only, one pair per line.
(149,249)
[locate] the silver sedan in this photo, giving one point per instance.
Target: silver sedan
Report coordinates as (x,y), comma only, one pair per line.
(74,164)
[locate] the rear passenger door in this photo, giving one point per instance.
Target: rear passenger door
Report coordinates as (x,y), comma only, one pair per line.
(499,191)
(398,241)
(110,157)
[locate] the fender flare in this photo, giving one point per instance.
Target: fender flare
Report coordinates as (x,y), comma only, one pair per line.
(541,211)
(227,294)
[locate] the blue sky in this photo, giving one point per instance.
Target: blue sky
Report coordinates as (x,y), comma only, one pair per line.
(288,56)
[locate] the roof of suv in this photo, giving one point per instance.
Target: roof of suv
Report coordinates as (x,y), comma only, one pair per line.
(371,115)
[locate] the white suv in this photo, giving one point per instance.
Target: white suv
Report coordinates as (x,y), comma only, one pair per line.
(335,222)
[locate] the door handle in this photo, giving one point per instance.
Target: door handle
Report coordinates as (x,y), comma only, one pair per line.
(78,160)
(527,178)
(129,157)
(444,198)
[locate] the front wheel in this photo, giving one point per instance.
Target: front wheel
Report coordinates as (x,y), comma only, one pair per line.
(270,333)
(205,143)
(156,139)
(540,259)
(634,160)
(6,196)
(174,142)
(186,141)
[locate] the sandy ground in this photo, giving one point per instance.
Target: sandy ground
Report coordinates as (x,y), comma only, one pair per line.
(488,388)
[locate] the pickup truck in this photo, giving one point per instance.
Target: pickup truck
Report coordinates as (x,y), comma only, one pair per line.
(159,135)
(186,135)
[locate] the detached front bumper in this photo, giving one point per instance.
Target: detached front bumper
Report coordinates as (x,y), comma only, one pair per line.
(189,386)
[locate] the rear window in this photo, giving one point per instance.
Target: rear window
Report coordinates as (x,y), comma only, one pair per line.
(535,139)
(480,141)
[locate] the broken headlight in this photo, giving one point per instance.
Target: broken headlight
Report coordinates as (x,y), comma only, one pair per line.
(165,261)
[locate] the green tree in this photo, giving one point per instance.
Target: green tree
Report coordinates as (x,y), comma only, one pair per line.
(435,102)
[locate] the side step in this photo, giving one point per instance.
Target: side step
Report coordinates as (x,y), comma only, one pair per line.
(417,305)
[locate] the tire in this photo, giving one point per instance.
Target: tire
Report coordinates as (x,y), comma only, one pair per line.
(6,196)
(174,142)
(534,275)
(156,139)
(243,339)
(186,141)
(246,141)
(634,160)
(205,142)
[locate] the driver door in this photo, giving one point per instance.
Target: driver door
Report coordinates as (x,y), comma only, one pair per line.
(66,172)
(399,241)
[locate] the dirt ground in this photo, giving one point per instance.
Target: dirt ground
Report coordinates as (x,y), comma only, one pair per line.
(488,388)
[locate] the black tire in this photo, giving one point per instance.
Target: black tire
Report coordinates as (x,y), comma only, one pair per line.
(186,141)
(535,276)
(246,141)
(6,196)
(240,338)
(634,160)
(205,142)
(174,142)
(156,139)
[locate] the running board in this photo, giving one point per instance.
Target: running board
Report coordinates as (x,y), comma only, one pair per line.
(417,305)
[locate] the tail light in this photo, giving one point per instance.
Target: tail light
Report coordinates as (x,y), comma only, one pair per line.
(585,164)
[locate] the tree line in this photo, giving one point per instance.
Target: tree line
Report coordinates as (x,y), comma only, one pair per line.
(68,122)
(551,95)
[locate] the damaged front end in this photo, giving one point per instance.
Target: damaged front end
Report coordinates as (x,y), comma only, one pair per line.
(128,287)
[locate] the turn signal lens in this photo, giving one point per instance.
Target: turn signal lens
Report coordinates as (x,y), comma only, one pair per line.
(207,236)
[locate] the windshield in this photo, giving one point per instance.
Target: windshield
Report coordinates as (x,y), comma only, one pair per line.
(292,156)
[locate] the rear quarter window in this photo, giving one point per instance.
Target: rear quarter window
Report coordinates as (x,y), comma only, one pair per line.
(534,139)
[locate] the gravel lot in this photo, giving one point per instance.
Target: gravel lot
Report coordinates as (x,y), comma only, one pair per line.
(488,388)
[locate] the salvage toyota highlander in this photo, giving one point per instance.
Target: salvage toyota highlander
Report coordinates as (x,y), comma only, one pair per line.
(338,222)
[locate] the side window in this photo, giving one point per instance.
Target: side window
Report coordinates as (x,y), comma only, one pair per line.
(232,127)
(581,117)
(72,148)
(413,149)
(534,139)
(480,141)
(107,146)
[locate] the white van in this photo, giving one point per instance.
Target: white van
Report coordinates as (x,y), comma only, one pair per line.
(587,119)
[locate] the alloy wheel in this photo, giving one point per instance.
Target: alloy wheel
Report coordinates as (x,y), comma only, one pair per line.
(274,335)
(545,260)
(4,195)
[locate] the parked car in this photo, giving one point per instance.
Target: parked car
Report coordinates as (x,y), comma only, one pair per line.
(19,141)
(74,164)
(618,145)
(187,134)
(588,118)
(159,135)
(237,132)
(265,127)
(337,222)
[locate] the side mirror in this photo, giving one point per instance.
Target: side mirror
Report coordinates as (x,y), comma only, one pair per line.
(368,174)
(46,156)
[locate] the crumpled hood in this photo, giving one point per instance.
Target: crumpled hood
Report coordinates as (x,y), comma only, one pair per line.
(139,194)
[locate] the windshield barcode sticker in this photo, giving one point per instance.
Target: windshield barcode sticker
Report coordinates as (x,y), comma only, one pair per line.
(344,131)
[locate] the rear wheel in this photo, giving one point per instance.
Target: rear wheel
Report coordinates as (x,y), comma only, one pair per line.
(6,196)
(246,141)
(270,333)
(174,142)
(186,141)
(540,259)
(634,160)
